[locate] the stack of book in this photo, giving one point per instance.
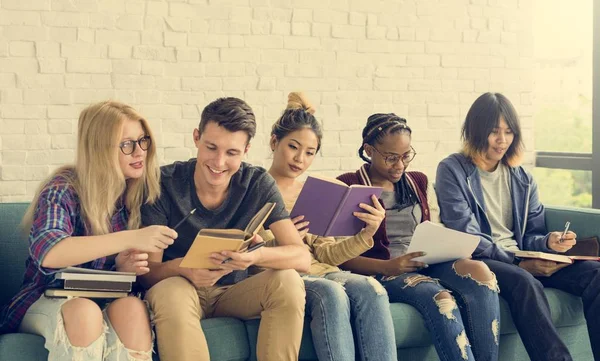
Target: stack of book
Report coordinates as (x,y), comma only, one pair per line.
(91,283)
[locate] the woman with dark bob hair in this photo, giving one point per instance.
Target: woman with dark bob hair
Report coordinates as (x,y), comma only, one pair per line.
(485,191)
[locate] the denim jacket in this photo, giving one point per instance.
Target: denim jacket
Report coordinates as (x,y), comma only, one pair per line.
(462,207)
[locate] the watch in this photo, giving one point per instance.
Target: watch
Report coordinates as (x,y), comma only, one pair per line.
(516,261)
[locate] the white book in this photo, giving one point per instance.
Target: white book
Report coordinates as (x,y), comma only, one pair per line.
(87,294)
(88,274)
(441,244)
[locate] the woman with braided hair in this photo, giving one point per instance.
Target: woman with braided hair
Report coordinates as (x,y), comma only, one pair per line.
(458,300)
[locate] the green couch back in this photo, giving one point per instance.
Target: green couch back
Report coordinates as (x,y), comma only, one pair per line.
(14,249)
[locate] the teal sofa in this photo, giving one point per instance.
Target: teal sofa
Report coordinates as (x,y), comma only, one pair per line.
(232,339)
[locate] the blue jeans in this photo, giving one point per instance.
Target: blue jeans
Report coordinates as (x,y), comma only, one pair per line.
(343,303)
(470,332)
(530,310)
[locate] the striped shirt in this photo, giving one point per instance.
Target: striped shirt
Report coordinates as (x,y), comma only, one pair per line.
(57,216)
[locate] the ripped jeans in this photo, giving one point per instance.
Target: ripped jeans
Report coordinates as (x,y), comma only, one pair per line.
(341,304)
(45,318)
(463,327)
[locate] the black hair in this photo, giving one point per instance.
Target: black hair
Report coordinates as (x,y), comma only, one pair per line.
(483,117)
(378,126)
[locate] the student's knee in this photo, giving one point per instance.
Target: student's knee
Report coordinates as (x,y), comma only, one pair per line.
(322,293)
(131,322)
(173,296)
(83,321)
(446,304)
(367,287)
(128,313)
(477,271)
(286,287)
(524,284)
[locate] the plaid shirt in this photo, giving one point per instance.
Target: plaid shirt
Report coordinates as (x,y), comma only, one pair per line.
(57,216)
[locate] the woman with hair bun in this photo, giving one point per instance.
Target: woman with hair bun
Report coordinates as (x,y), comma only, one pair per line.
(346,309)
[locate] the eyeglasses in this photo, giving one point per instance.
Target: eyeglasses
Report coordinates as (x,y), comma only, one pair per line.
(393,159)
(128,146)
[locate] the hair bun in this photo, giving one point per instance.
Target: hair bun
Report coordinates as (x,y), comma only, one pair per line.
(297,100)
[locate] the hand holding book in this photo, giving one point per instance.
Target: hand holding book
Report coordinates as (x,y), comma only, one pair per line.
(237,261)
(208,247)
(331,206)
(373,216)
(301,225)
(541,268)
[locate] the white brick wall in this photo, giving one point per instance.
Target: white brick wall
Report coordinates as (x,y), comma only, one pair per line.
(424,60)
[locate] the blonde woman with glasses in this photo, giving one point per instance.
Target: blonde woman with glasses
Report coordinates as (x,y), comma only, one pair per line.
(83,215)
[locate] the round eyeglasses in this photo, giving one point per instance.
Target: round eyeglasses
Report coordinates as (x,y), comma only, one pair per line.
(406,158)
(128,146)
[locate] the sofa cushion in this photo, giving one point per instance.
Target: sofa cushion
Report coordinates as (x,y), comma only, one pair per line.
(567,310)
(22,347)
(14,249)
(226,337)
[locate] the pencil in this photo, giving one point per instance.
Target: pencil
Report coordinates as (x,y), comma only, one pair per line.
(184,218)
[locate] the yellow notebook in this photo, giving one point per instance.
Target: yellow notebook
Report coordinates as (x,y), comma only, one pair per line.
(210,240)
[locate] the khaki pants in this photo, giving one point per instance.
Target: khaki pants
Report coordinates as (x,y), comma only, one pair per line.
(276,296)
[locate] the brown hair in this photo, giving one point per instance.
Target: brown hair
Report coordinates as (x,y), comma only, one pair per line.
(230,113)
(298,115)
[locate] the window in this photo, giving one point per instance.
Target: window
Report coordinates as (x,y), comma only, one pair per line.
(563,99)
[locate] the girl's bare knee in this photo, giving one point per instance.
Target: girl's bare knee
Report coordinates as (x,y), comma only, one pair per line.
(130,319)
(83,321)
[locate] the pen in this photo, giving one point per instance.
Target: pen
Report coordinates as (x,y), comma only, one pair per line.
(184,218)
(250,249)
(562,237)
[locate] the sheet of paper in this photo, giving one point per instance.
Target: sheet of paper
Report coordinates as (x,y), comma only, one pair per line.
(441,244)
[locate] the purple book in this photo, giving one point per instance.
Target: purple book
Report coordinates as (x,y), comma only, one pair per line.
(328,205)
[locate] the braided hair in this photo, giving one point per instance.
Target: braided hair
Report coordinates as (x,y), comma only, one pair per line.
(298,115)
(378,126)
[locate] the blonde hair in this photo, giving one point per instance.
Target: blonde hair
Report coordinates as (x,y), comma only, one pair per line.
(96,176)
(297,100)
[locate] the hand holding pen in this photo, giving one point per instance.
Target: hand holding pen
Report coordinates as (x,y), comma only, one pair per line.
(562,241)
(562,236)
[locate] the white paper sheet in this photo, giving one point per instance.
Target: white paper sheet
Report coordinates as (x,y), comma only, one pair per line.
(441,244)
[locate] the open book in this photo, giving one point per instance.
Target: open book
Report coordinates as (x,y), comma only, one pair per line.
(441,244)
(210,240)
(560,258)
(328,205)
